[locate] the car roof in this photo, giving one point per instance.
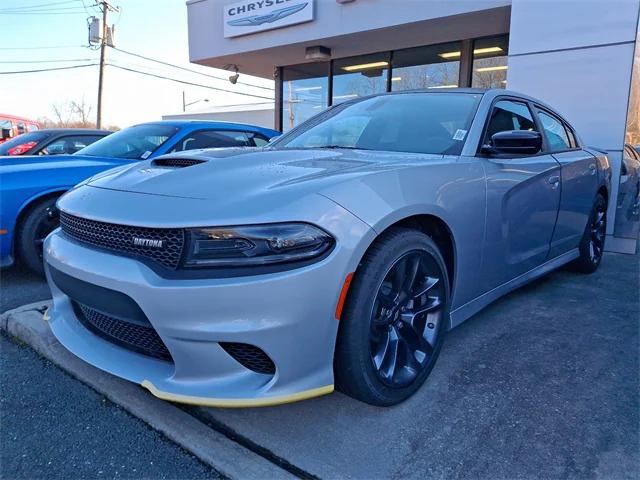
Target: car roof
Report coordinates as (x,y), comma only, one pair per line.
(487,92)
(204,123)
(492,92)
(71,130)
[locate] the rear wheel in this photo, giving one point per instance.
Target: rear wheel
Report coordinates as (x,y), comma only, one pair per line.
(41,219)
(592,243)
(394,320)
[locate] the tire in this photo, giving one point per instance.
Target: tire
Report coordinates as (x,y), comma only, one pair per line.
(39,220)
(592,242)
(373,319)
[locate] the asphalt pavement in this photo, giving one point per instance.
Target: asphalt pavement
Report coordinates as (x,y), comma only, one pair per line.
(53,426)
(18,286)
(541,384)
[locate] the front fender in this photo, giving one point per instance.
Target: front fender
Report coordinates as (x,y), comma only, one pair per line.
(12,207)
(451,189)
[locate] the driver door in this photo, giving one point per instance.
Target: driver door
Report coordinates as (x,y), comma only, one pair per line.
(523,197)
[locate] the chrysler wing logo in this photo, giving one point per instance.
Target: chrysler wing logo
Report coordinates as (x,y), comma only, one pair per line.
(268,18)
(147,242)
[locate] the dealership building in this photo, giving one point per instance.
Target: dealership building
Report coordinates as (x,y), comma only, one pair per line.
(576,55)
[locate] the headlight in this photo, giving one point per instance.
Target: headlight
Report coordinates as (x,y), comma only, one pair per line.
(255,245)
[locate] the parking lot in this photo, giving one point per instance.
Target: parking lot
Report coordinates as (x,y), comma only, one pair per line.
(542,384)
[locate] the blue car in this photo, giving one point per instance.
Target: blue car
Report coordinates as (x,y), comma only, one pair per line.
(30,185)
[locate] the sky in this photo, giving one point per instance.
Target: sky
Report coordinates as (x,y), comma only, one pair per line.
(152,28)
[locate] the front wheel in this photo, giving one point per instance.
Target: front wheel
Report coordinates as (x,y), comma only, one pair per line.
(394,320)
(41,219)
(592,243)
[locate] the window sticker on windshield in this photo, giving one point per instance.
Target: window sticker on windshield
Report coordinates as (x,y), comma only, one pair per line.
(459,135)
(147,153)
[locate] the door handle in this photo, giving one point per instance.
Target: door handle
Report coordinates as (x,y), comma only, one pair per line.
(554,180)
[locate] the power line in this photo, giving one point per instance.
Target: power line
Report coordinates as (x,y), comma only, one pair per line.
(86,9)
(188,83)
(52,61)
(79,12)
(40,10)
(43,48)
(28,7)
(187,69)
(50,69)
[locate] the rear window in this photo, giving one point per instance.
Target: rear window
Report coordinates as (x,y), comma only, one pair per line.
(137,142)
(36,137)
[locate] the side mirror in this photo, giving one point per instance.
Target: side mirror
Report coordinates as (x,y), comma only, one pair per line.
(514,142)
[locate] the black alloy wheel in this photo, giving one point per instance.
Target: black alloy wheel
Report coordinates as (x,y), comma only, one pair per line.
(592,244)
(406,319)
(49,221)
(597,230)
(394,320)
(39,221)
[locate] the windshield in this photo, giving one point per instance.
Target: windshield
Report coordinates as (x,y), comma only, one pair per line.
(410,122)
(134,142)
(35,137)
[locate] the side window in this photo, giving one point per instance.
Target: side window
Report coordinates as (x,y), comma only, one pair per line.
(555,132)
(69,145)
(573,141)
(212,139)
(509,115)
(257,140)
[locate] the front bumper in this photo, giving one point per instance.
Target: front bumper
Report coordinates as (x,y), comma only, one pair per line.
(289,315)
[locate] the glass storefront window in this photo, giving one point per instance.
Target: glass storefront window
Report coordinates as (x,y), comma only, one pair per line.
(436,66)
(490,62)
(359,76)
(304,92)
(627,216)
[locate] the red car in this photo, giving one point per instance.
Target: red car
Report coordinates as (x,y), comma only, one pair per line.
(52,141)
(12,126)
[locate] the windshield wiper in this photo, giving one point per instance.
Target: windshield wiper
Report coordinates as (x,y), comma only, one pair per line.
(342,146)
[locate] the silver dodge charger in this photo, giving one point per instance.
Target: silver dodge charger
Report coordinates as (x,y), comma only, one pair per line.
(339,254)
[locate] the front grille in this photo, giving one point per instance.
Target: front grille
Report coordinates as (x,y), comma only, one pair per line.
(133,336)
(250,357)
(177,162)
(120,238)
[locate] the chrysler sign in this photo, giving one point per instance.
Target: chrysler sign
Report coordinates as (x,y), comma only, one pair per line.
(251,16)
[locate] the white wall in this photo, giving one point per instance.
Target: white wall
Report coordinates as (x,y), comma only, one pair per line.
(261,118)
(577,55)
(340,27)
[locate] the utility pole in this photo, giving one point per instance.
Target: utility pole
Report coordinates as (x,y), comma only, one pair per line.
(105,6)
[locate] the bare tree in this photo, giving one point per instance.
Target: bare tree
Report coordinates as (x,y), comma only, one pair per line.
(82,111)
(72,114)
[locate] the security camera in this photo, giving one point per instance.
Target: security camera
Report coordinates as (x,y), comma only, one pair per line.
(233,78)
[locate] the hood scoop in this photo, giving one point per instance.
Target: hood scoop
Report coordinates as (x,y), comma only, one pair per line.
(176,162)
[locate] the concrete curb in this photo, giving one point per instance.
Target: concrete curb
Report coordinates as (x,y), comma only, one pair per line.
(213,448)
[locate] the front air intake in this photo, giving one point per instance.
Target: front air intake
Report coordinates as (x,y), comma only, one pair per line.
(134,336)
(176,162)
(250,357)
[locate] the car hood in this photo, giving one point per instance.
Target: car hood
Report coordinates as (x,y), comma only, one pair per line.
(32,162)
(239,173)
